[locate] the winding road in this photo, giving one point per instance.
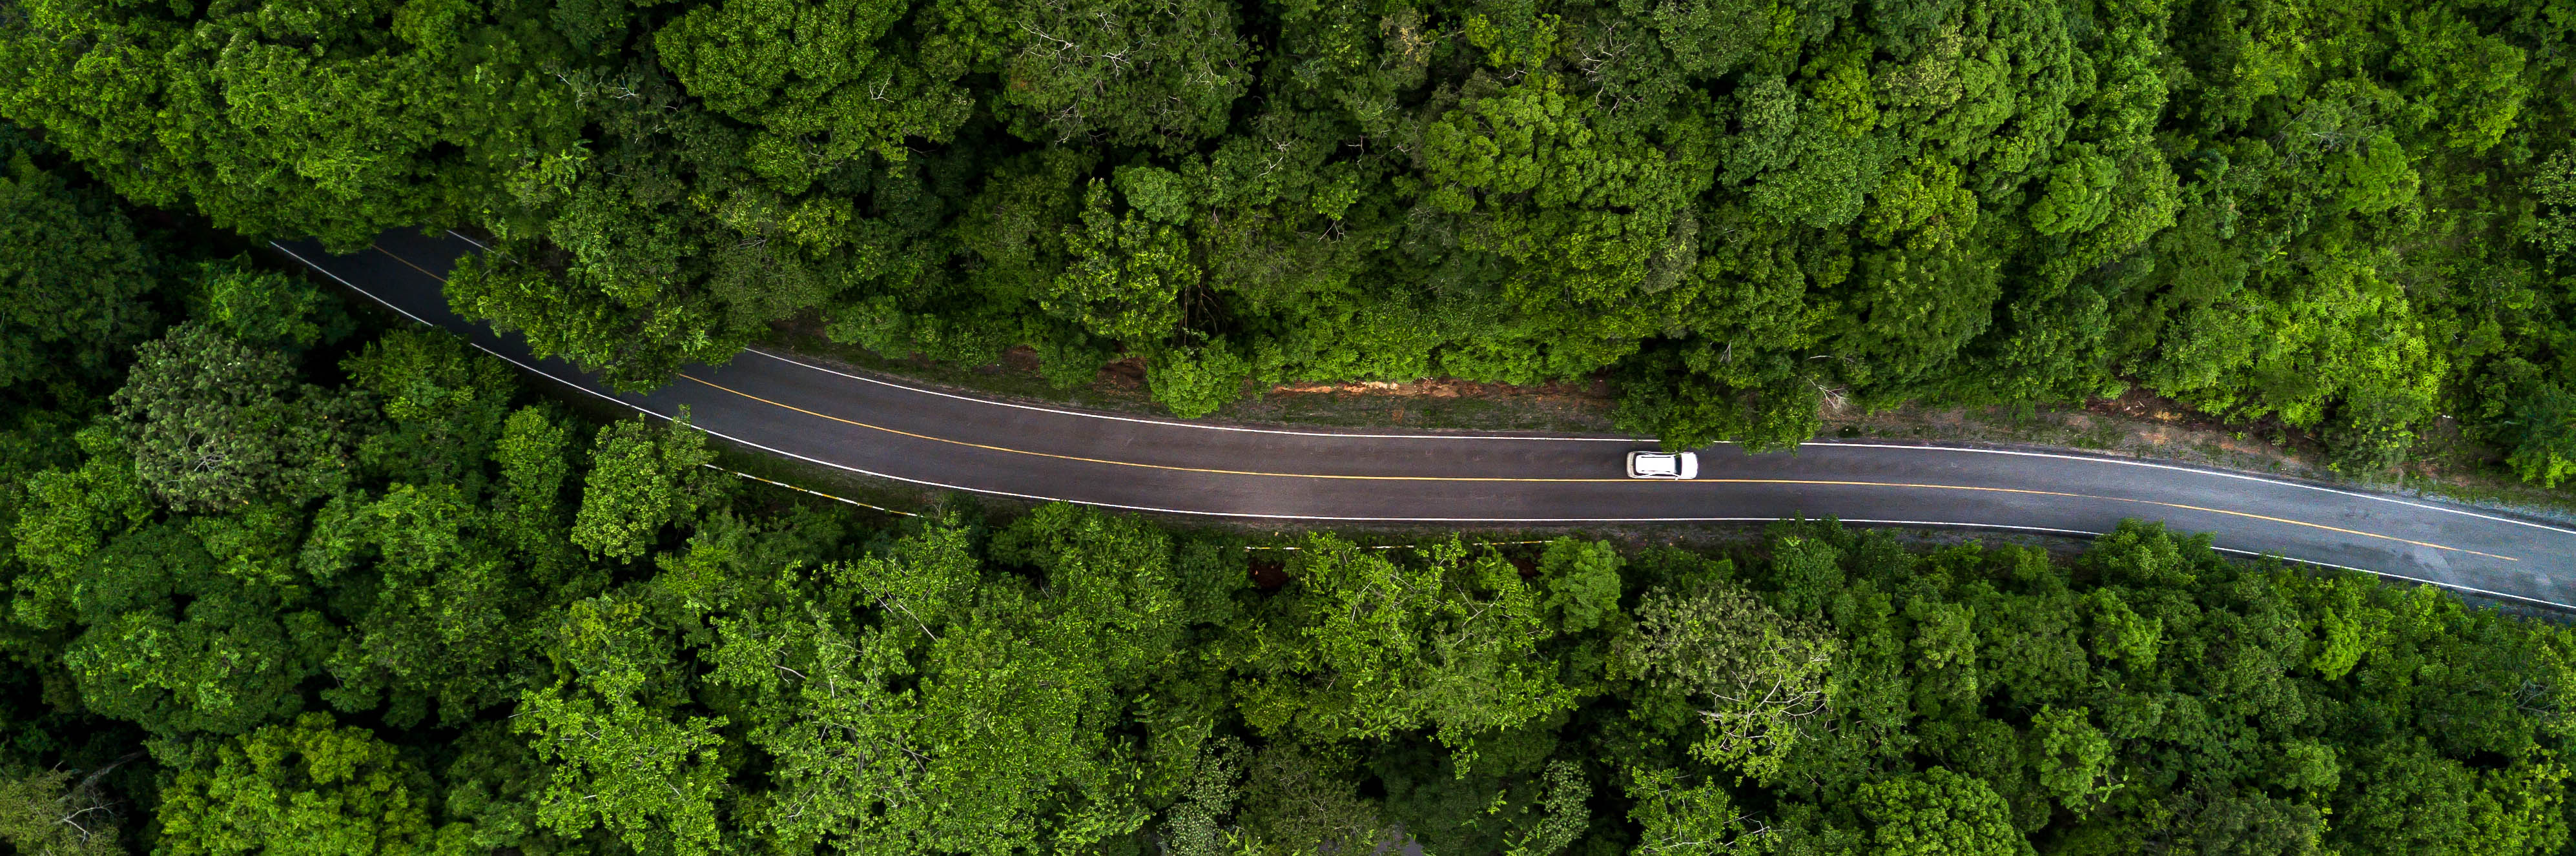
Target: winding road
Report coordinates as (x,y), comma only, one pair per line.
(888,428)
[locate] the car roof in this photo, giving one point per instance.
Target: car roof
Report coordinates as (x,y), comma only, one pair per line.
(1658,462)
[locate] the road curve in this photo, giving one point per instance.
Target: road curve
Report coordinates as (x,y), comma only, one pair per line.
(887,428)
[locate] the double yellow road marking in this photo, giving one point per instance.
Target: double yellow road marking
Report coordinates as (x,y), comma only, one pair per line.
(1795,482)
(1513,479)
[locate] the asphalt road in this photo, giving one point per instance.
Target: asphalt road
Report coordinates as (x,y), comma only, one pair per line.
(888,428)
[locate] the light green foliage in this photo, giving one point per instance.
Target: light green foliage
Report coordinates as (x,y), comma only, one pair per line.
(994,699)
(445,403)
(442,625)
(2545,453)
(1690,413)
(532,454)
(1197,381)
(269,308)
(2417,802)
(2077,196)
(1158,76)
(1688,819)
(66,518)
(1759,682)
(1296,802)
(806,71)
(2308,766)
(304,788)
(928,580)
(614,758)
(1582,580)
(2553,227)
(1938,812)
(2073,759)
(643,476)
(1563,813)
(1159,194)
(173,625)
(2122,635)
(1440,639)
(1126,273)
(224,664)
(1196,826)
(2250,823)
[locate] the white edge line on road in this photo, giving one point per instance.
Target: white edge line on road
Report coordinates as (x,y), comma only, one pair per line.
(1527,520)
(1638,440)
(1631,440)
(638,408)
(281,247)
(784,453)
(2210,472)
(1179,424)
(1087,414)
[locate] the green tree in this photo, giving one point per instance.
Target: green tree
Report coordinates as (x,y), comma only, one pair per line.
(1136,75)
(1197,381)
(1442,640)
(308,787)
(1938,811)
(225,664)
(72,275)
(214,423)
(1759,682)
(444,402)
(643,476)
(2074,758)
(269,309)
(290,118)
(2545,453)
(809,72)
(1582,580)
(51,812)
(1677,817)
(1125,276)
(445,621)
(534,460)
(616,754)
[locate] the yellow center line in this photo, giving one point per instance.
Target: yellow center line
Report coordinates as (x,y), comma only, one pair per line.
(1805,482)
(1513,479)
(407,263)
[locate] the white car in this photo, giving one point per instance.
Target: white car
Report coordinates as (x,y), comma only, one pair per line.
(1663,465)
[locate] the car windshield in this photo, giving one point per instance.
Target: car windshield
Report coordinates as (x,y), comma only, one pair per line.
(1655,465)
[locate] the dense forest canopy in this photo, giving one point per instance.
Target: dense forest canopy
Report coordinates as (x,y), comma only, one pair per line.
(280,580)
(2351,216)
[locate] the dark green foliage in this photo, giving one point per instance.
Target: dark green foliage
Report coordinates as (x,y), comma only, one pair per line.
(269,308)
(276,586)
(72,275)
(310,116)
(479,638)
(2349,219)
(2544,435)
(215,423)
(55,812)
